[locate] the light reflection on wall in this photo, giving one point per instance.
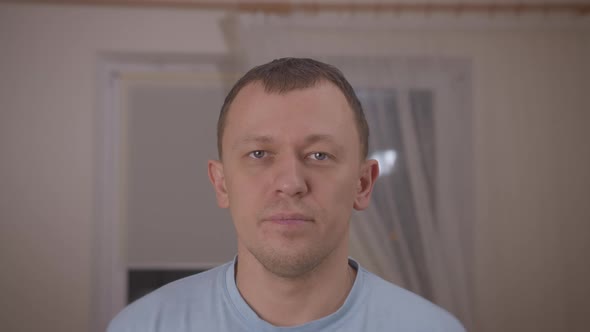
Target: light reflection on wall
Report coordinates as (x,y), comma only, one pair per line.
(386,160)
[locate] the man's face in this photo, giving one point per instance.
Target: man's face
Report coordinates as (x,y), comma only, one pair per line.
(291,174)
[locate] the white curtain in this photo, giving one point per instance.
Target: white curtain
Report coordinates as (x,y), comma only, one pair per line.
(417,231)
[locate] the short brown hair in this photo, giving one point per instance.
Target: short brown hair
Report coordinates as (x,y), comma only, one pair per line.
(287,74)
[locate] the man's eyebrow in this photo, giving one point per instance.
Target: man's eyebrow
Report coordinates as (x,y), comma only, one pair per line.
(315,138)
(254,139)
(319,138)
(309,140)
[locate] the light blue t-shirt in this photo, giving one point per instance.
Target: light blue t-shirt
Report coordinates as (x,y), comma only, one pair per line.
(210,301)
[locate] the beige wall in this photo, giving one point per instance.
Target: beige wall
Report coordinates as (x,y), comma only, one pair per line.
(48,58)
(532,160)
(532,108)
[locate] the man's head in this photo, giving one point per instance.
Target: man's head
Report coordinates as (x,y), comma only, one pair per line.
(287,74)
(292,166)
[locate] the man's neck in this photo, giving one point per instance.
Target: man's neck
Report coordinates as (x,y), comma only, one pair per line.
(294,301)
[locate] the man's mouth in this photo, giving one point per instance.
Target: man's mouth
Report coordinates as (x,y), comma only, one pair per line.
(289,219)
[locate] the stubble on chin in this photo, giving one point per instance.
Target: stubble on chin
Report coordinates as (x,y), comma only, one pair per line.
(288,265)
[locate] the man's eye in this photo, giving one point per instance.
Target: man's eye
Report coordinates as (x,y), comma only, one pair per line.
(319,156)
(258,154)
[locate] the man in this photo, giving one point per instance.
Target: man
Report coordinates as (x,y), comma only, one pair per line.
(292,140)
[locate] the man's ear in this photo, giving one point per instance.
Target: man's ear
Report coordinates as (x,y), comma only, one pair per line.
(217,178)
(368,176)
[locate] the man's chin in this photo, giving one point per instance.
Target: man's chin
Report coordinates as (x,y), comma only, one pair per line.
(288,263)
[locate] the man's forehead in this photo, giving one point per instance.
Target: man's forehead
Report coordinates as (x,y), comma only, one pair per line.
(325,99)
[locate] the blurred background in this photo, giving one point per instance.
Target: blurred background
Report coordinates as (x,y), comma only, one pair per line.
(479,113)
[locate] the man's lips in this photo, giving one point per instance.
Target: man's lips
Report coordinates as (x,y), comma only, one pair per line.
(288,218)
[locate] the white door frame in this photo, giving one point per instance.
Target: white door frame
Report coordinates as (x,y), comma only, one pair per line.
(109,250)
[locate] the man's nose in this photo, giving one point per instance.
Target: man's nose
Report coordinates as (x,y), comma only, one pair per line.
(290,176)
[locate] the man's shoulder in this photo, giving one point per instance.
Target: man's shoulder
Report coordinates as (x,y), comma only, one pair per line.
(193,293)
(411,312)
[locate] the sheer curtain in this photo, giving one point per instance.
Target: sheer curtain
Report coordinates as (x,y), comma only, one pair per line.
(417,231)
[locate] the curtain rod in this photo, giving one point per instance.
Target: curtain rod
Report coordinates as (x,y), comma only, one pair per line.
(287,7)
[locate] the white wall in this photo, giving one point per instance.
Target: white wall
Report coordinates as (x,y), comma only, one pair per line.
(48,57)
(532,108)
